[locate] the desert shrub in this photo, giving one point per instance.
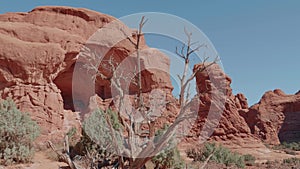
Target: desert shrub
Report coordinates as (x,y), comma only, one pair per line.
(168,157)
(196,154)
(73,137)
(291,152)
(249,159)
(99,129)
(292,146)
(72,132)
(291,161)
(17,133)
(97,139)
(288,148)
(219,153)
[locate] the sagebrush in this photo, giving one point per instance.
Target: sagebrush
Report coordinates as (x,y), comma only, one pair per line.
(98,132)
(220,154)
(17,133)
(292,160)
(168,157)
(294,146)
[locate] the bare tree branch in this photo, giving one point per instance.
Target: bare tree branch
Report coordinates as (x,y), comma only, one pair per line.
(64,155)
(207,160)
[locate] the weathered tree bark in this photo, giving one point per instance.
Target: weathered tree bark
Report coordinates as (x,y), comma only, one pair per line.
(64,156)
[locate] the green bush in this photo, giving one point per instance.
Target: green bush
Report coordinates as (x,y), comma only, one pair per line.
(249,159)
(196,154)
(17,133)
(292,146)
(72,132)
(288,148)
(101,131)
(97,134)
(219,153)
(169,157)
(291,161)
(291,152)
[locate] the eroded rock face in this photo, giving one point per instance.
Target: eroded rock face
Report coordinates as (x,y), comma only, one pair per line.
(276,117)
(36,48)
(38,53)
(216,98)
(43,102)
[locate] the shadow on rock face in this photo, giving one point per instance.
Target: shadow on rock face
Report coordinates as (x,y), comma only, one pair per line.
(290,129)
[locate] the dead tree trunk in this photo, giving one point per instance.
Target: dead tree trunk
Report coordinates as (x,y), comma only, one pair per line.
(64,156)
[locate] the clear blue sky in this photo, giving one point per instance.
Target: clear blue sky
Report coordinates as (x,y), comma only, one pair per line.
(258,41)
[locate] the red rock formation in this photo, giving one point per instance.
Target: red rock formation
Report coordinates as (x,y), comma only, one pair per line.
(276,117)
(37,57)
(217,99)
(39,50)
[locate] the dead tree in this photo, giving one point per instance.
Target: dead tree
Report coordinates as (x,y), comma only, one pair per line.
(146,151)
(138,58)
(185,53)
(116,78)
(141,106)
(64,155)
